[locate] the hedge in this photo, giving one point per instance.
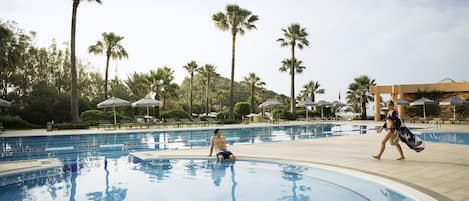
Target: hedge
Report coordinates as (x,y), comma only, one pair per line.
(283,114)
(174,114)
(17,123)
(94,116)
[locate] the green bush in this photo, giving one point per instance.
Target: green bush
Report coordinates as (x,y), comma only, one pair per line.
(223,115)
(283,114)
(242,108)
(17,123)
(174,114)
(94,116)
(227,121)
(226,115)
(311,113)
(80,125)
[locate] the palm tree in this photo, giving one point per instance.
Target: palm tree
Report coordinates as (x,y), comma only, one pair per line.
(311,89)
(154,80)
(74,98)
(253,81)
(237,20)
(294,36)
(191,67)
(111,46)
(167,87)
(298,68)
(138,85)
(359,93)
(207,71)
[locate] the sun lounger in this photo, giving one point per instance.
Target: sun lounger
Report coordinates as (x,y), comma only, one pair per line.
(199,122)
(186,122)
(213,121)
(172,122)
(105,124)
(126,123)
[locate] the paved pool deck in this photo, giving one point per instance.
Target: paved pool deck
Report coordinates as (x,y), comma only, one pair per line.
(441,170)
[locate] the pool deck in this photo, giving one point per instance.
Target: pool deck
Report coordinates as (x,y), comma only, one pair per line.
(441,170)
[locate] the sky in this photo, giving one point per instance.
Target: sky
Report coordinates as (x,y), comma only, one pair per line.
(392,41)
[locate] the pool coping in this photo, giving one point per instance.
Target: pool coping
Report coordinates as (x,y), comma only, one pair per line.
(408,189)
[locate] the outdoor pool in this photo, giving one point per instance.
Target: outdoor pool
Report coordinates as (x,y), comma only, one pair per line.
(86,176)
(73,148)
(183,179)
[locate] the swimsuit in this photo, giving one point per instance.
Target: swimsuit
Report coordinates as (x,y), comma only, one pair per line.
(225,153)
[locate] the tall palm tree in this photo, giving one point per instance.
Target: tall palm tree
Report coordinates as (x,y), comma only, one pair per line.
(293,36)
(191,67)
(74,86)
(207,71)
(253,82)
(112,47)
(236,20)
(311,89)
(359,92)
(298,68)
(167,87)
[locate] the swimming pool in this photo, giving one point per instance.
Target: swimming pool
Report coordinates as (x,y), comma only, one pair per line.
(183,179)
(72,148)
(446,137)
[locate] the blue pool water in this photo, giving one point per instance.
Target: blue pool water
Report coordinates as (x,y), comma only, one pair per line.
(74,148)
(83,176)
(206,180)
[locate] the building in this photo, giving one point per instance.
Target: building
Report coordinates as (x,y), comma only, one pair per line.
(408,91)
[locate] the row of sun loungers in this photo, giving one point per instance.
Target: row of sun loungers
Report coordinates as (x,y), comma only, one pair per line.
(166,123)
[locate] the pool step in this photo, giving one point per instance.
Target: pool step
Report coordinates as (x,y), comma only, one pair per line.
(20,171)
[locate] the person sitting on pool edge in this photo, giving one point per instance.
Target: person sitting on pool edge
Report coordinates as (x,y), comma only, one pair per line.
(219,142)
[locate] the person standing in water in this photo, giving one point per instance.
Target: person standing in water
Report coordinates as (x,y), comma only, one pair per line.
(219,143)
(391,124)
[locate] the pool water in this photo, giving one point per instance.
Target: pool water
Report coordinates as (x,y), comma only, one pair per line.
(70,148)
(447,137)
(126,179)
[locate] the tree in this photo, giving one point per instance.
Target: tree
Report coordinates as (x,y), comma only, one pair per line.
(359,93)
(74,98)
(253,81)
(236,20)
(138,85)
(220,96)
(167,87)
(294,36)
(191,67)
(242,108)
(311,89)
(112,47)
(207,71)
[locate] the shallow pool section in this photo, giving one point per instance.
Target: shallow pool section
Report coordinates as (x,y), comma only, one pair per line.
(125,178)
(446,137)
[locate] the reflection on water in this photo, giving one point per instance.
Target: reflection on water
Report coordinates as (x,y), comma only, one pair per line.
(205,180)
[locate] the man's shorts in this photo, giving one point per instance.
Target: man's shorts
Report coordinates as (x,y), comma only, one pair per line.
(225,153)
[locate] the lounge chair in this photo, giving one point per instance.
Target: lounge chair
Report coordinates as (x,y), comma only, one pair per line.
(105,124)
(186,122)
(213,121)
(200,122)
(172,122)
(126,123)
